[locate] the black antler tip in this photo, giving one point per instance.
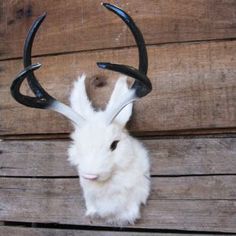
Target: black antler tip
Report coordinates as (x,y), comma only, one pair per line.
(29,69)
(42,17)
(105,4)
(109,6)
(36,66)
(102,65)
(117,11)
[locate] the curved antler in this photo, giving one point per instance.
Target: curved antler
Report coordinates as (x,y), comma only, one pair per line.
(42,100)
(142,85)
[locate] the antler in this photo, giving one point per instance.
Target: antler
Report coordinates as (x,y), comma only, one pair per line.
(42,100)
(142,85)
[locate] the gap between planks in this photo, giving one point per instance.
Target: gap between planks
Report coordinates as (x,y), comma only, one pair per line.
(77,177)
(175,134)
(29,229)
(119,48)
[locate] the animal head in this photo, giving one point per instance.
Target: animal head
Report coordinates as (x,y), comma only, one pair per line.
(99,144)
(96,133)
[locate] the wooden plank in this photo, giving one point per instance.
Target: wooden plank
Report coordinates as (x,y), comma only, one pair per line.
(163,188)
(201,156)
(60,201)
(9,231)
(85,25)
(194,87)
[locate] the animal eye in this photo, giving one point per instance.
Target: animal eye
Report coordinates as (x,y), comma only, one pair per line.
(114,145)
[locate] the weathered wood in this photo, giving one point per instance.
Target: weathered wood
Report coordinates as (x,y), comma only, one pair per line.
(9,231)
(60,201)
(84,25)
(163,188)
(168,157)
(194,87)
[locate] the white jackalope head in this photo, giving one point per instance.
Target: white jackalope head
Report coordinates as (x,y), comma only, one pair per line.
(97,133)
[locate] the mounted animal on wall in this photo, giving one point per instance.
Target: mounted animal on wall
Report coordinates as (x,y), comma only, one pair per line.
(113,167)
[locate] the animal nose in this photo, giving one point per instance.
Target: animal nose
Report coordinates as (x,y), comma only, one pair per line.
(90,176)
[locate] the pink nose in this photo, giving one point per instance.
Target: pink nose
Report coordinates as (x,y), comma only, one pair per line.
(89,176)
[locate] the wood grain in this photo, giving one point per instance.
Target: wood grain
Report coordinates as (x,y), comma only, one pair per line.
(84,25)
(200,156)
(207,188)
(194,87)
(9,231)
(60,201)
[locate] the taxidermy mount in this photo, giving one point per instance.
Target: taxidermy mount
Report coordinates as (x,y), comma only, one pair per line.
(113,167)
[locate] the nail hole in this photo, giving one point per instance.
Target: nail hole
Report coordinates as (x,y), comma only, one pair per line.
(23,12)
(20,13)
(28,11)
(99,81)
(10,22)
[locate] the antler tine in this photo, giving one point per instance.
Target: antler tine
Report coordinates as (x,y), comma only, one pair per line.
(42,100)
(32,81)
(15,89)
(142,84)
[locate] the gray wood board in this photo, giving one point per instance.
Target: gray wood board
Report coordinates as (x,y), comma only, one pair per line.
(85,25)
(203,204)
(181,156)
(194,88)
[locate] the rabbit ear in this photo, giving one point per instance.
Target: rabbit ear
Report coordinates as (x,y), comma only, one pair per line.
(79,100)
(120,90)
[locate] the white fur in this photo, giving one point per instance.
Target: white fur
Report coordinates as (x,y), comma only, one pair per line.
(123,182)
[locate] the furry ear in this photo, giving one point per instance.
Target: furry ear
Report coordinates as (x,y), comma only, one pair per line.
(79,100)
(119,91)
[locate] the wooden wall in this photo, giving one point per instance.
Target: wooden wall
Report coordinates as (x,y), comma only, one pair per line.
(188,122)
